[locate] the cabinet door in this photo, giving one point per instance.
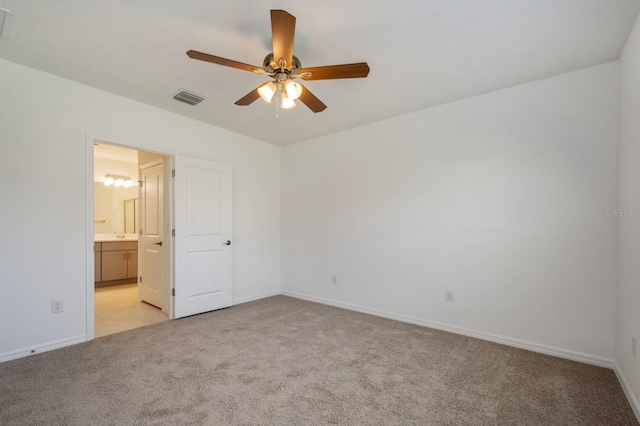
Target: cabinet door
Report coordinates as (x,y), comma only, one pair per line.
(132,271)
(98,266)
(114,265)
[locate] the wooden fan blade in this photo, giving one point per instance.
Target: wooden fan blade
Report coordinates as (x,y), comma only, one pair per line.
(283,29)
(249,98)
(359,70)
(222,61)
(310,100)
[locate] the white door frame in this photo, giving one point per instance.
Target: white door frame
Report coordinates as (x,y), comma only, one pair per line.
(89,220)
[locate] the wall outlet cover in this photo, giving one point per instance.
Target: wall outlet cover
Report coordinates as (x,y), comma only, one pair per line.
(57,306)
(448,296)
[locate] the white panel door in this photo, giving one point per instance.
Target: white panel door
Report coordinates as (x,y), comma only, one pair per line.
(150,239)
(203,236)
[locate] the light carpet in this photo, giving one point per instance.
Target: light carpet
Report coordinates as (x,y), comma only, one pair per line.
(283,361)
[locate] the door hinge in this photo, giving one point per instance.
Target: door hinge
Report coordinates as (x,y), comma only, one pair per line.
(173,291)
(173,172)
(140,231)
(140,278)
(173,232)
(140,183)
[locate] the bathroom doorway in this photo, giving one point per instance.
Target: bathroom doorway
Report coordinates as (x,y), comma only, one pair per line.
(130,209)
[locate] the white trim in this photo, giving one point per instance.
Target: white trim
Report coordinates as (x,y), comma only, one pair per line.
(170,258)
(150,163)
(90,256)
(633,401)
(256,297)
(522,344)
(56,344)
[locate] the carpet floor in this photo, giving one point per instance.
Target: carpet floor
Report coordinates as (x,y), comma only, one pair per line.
(283,361)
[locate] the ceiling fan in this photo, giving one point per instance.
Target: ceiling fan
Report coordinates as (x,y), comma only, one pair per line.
(284,68)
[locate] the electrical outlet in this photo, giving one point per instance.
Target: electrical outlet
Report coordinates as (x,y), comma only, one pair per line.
(334,279)
(448,296)
(634,346)
(57,306)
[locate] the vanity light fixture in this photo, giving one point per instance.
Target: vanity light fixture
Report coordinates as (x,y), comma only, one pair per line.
(126,182)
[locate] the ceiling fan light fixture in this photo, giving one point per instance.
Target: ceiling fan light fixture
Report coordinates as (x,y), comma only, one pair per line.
(283,66)
(267,91)
(287,102)
(294,90)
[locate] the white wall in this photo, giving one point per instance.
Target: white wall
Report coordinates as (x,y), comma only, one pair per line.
(43,198)
(628,319)
(498,198)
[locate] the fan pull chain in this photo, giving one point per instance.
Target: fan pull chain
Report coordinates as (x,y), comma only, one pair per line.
(278,101)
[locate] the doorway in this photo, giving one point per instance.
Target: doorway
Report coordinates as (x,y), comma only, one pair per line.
(130,208)
(196,234)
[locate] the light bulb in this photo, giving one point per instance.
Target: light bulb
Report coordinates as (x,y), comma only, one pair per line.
(119,182)
(294,90)
(267,91)
(128,183)
(108,181)
(287,102)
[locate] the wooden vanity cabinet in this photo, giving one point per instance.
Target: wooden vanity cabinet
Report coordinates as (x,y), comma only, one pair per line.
(97,251)
(118,260)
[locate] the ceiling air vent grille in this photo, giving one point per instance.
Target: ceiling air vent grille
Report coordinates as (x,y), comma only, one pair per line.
(188,98)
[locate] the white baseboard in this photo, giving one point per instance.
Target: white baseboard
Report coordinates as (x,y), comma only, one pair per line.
(256,297)
(521,344)
(45,347)
(633,401)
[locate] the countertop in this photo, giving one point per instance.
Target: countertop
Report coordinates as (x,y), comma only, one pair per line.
(107,238)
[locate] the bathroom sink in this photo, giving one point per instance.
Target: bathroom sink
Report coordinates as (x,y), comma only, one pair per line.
(101,238)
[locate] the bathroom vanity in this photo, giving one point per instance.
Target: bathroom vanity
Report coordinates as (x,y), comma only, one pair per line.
(116,260)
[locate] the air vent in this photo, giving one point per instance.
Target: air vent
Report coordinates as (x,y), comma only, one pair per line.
(188,98)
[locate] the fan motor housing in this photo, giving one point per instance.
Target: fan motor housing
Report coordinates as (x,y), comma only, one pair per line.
(271,66)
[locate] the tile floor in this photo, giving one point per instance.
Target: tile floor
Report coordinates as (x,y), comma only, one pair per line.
(117,309)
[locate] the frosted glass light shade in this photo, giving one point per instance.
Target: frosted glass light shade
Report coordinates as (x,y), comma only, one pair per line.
(294,90)
(267,91)
(115,180)
(287,102)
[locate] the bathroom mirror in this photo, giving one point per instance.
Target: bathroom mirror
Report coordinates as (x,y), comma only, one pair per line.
(109,205)
(130,216)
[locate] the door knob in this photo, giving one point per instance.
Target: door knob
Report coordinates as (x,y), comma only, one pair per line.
(228,243)
(158,244)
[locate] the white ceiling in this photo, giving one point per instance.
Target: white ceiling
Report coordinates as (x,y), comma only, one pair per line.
(421,52)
